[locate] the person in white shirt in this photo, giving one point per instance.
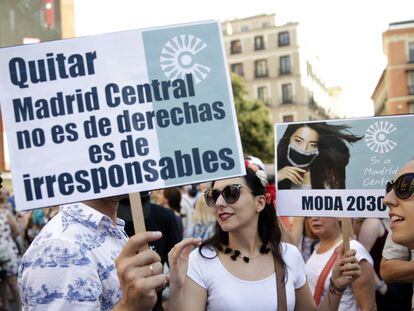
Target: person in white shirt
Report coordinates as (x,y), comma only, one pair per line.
(235,268)
(359,296)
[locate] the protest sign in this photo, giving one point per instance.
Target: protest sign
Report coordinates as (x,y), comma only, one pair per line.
(118,113)
(339,168)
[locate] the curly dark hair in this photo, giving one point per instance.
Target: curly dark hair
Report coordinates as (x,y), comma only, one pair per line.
(328,168)
(268,227)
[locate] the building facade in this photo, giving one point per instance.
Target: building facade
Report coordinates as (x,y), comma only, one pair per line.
(276,69)
(394,92)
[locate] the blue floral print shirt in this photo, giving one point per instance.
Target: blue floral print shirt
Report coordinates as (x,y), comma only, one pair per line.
(70,265)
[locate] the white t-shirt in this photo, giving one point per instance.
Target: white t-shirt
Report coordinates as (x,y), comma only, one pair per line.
(225,292)
(317,262)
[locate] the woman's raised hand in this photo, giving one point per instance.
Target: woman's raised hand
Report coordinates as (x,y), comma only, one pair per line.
(294,174)
(178,260)
(346,268)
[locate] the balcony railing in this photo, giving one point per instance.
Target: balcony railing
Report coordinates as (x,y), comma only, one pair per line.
(285,72)
(260,74)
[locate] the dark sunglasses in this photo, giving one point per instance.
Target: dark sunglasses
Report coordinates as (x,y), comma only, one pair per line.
(230,193)
(403,186)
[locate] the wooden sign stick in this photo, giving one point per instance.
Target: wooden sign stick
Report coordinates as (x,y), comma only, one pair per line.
(137,215)
(346,233)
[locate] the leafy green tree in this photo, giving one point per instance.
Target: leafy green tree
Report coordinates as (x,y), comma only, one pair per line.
(256,129)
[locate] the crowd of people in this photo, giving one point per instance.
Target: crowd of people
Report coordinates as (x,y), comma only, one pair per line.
(214,246)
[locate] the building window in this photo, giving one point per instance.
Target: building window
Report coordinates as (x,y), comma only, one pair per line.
(266,25)
(259,43)
(235,47)
(283,38)
(411,52)
(284,65)
(288,118)
(260,67)
(262,94)
(411,83)
(287,93)
(244,28)
(237,69)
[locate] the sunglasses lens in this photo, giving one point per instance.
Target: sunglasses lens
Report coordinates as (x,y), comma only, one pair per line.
(211,197)
(231,193)
(404,186)
(388,187)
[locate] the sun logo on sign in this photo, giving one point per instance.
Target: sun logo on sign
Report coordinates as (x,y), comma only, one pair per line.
(376,137)
(178,58)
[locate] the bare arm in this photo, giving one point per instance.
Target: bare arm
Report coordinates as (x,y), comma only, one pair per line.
(185,294)
(297,229)
(396,270)
(305,302)
(364,287)
(193,298)
(286,234)
(371,230)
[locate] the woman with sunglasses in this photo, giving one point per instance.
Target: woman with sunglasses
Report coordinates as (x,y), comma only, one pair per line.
(235,268)
(400,200)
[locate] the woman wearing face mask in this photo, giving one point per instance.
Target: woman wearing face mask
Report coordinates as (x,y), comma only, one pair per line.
(313,156)
(235,268)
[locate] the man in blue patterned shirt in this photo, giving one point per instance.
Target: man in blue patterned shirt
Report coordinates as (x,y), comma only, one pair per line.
(71,263)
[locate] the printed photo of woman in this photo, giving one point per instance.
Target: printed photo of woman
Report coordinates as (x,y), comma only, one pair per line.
(314,156)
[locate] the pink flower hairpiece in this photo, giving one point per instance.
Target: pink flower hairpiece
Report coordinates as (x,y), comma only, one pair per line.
(261,174)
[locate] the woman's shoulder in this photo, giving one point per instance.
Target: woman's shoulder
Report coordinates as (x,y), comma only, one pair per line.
(354,244)
(289,251)
(361,252)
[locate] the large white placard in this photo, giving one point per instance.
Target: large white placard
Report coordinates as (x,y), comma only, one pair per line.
(339,168)
(118,113)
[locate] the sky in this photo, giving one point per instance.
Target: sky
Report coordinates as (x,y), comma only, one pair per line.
(345,35)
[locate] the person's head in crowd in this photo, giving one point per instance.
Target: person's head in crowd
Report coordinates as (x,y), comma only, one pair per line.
(157,196)
(202,212)
(325,227)
(319,147)
(192,191)
(241,204)
(173,198)
(400,200)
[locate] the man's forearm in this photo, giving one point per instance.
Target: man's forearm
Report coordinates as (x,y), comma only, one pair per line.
(395,270)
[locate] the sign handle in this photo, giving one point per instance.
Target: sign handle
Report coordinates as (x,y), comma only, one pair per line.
(137,215)
(346,232)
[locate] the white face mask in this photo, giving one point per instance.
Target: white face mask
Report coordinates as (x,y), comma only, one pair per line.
(301,158)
